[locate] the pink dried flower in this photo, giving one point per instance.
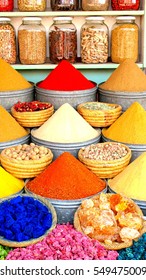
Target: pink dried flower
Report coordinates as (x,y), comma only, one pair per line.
(64,243)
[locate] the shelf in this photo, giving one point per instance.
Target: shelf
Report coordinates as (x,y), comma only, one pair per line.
(76,65)
(49,13)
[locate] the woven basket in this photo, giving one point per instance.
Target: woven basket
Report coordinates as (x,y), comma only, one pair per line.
(32,119)
(9,243)
(114,245)
(99,118)
(25,168)
(106,168)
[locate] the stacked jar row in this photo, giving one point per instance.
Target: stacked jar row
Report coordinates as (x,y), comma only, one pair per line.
(66,5)
(94,40)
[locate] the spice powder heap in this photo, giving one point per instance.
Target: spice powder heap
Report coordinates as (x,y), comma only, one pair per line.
(67,179)
(127,77)
(130,127)
(131,181)
(66,125)
(65,77)
(10,79)
(10,129)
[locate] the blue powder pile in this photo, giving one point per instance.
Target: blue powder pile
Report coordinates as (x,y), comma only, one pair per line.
(23,218)
(136,252)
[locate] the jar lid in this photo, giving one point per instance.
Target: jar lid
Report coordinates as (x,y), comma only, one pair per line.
(125,18)
(94,18)
(62,18)
(5,19)
(32,18)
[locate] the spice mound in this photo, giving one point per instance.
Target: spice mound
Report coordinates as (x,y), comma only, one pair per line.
(68,79)
(126,77)
(31,106)
(26,160)
(131,181)
(4,250)
(112,219)
(9,184)
(64,126)
(23,218)
(64,243)
(66,178)
(130,127)
(7,74)
(13,130)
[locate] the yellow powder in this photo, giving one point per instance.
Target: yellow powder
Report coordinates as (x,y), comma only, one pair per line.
(131,182)
(10,79)
(130,127)
(10,129)
(127,77)
(66,125)
(9,185)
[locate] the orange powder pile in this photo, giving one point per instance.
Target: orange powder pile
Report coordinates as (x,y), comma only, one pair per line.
(67,179)
(127,77)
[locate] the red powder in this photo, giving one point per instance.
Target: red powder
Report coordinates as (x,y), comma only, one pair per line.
(66,77)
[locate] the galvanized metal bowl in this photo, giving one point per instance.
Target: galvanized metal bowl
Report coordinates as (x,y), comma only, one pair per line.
(65,209)
(136,149)
(23,140)
(9,98)
(59,148)
(123,98)
(58,98)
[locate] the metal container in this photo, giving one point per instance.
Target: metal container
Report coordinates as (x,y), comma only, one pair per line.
(123,98)
(58,98)
(66,209)
(140,203)
(9,98)
(22,140)
(136,149)
(59,148)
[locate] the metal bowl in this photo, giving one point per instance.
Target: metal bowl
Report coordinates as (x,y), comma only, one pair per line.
(58,98)
(59,148)
(123,98)
(23,140)
(9,98)
(65,209)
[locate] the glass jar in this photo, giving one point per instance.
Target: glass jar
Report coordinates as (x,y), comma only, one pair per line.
(95,5)
(31,5)
(94,40)
(7,41)
(125,4)
(124,39)
(32,41)
(64,5)
(6,5)
(62,40)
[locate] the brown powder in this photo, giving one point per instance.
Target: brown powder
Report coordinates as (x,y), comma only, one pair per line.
(127,77)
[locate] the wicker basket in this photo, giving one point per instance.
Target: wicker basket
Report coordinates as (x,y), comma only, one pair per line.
(32,119)
(106,169)
(6,242)
(113,245)
(25,168)
(99,117)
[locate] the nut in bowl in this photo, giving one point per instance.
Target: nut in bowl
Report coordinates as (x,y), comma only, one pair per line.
(112,219)
(32,114)
(106,159)
(26,160)
(99,114)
